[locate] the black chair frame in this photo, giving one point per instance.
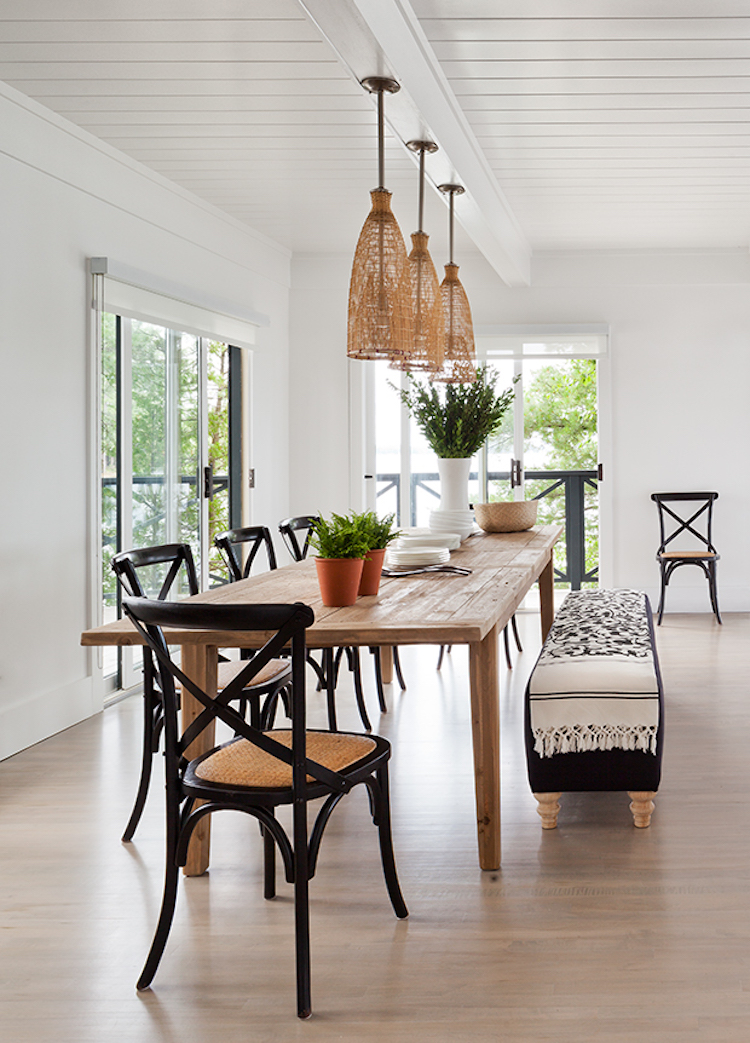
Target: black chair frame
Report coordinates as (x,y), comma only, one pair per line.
(256,536)
(299,851)
(262,700)
(672,525)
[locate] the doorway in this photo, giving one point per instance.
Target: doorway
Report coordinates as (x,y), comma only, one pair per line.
(169,459)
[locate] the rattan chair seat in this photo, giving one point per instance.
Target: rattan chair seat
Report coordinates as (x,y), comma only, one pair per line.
(270,672)
(240,763)
(676,554)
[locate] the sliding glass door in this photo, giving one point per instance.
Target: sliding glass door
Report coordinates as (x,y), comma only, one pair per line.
(166,467)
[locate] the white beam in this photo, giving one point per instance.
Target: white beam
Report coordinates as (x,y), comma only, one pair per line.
(384,38)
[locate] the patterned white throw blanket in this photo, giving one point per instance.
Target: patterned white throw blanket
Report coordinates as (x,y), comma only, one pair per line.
(596,684)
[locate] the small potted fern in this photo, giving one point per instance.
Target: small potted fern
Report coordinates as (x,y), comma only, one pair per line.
(380,533)
(341,543)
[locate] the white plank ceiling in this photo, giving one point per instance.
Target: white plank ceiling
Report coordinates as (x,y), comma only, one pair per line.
(608,124)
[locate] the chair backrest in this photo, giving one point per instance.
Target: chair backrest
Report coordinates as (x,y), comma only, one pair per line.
(176,555)
(685,513)
(255,537)
(293,529)
(287,624)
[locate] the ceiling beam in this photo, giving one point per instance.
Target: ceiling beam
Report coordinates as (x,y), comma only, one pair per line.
(384,38)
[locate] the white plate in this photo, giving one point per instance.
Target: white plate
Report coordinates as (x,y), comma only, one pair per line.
(417,556)
(451,540)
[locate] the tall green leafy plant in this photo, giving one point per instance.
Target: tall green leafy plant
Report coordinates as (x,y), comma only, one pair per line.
(457,418)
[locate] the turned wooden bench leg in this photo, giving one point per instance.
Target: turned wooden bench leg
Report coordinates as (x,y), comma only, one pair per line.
(548,808)
(642,807)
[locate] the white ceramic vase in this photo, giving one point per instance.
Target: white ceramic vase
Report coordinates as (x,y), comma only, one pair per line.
(454,483)
(453,515)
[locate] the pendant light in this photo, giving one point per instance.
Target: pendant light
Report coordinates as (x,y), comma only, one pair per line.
(380,304)
(459,362)
(426,354)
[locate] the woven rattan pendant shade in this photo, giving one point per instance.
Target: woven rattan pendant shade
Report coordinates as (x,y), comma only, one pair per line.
(380,305)
(459,362)
(459,354)
(380,296)
(426,354)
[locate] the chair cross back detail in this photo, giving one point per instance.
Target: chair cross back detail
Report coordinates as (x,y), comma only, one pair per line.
(290,530)
(253,537)
(696,522)
(177,555)
(683,524)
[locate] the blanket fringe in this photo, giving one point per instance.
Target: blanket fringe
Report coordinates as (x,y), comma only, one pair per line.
(583,738)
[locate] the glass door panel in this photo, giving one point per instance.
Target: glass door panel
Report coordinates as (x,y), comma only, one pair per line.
(504,446)
(165,455)
(561,441)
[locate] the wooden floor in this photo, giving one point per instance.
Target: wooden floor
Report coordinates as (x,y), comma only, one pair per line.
(593,932)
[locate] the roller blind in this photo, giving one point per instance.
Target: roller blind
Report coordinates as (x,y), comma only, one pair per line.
(139,295)
(588,340)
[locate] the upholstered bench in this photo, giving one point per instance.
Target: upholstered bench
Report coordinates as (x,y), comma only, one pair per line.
(594,715)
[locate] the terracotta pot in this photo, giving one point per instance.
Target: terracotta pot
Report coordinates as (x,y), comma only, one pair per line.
(338,579)
(370,582)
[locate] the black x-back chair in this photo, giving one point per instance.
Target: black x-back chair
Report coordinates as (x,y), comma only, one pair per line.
(258,771)
(296,533)
(686,515)
(252,538)
(261,697)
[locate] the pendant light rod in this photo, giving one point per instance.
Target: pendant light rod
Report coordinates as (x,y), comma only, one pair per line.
(451,190)
(379,85)
(421,147)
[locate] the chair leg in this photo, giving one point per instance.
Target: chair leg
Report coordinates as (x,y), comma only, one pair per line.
(383,822)
(517,639)
(379,679)
(443,650)
(269,864)
(712,590)
(397,668)
(662,594)
(329,673)
(353,654)
(151,731)
(171,880)
(302,911)
(506,645)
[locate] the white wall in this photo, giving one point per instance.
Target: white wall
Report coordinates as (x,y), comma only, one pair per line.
(67,197)
(680,373)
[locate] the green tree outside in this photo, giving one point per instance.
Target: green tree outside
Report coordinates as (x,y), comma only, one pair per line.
(560,429)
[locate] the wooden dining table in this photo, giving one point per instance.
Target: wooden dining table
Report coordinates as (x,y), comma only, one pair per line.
(435,608)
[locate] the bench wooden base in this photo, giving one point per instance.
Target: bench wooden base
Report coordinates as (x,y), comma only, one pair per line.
(642,806)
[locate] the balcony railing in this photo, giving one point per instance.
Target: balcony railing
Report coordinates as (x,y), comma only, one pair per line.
(574,484)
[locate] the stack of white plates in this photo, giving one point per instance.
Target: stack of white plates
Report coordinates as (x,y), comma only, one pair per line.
(461,522)
(416,557)
(426,538)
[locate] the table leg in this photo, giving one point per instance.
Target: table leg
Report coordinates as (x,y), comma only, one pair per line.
(547,596)
(386,663)
(485,723)
(199,663)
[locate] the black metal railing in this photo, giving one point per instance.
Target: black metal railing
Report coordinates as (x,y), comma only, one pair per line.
(574,484)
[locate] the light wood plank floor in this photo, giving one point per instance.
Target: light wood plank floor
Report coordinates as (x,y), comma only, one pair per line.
(593,932)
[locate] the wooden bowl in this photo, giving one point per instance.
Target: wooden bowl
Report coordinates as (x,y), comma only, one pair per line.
(506,517)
